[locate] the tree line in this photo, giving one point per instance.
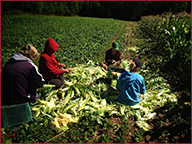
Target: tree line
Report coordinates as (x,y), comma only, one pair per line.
(124,10)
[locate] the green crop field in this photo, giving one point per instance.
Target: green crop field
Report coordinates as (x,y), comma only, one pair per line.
(86,110)
(79,38)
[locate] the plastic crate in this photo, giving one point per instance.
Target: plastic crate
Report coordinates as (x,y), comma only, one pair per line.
(15,114)
(116,69)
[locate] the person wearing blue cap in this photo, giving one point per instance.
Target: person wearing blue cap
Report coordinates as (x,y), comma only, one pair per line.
(131,84)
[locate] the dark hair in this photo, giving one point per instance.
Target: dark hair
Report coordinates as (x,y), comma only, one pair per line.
(135,65)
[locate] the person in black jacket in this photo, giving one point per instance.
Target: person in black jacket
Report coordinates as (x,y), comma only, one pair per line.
(20,78)
(112,57)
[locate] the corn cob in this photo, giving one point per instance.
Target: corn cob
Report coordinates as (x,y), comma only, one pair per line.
(55,114)
(43,102)
(82,104)
(72,94)
(143,125)
(62,95)
(67,83)
(61,115)
(48,85)
(122,109)
(103,102)
(50,105)
(93,105)
(66,118)
(38,113)
(65,89)
(67,98)
(94,99)
(76,90)
(70,106)
(74,110)
(35,109)
(60,121)
(56,123)
(50,94)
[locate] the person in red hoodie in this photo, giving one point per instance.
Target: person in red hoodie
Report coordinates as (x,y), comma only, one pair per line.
(49,67)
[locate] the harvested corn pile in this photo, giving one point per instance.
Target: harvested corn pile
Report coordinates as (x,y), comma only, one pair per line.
(86,92)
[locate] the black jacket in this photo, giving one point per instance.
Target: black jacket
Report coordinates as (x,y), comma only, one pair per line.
(19,81)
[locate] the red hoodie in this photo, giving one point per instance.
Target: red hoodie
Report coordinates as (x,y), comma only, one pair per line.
(48,65)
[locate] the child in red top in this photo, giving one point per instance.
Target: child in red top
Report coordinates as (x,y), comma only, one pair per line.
(49,67)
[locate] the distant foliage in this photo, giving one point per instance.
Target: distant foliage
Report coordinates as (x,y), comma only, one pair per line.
(124,10)
(167,44)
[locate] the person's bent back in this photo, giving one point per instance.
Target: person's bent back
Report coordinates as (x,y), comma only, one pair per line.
(131,85)
(20,78)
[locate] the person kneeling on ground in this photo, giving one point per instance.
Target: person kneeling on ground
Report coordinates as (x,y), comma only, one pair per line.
(131,85)
(49,67)
(20,78)
(112,56)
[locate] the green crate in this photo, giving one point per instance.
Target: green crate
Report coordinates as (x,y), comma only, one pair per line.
(15,114)
(116,69)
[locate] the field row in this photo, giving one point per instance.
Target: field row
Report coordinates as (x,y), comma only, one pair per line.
(79,38)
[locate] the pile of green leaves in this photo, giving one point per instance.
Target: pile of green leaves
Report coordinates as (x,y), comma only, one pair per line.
(91,95)
(167,45)
(93,103)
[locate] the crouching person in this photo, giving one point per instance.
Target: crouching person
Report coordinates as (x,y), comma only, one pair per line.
(112,57)
(131,85)
(20,78)
(49,67)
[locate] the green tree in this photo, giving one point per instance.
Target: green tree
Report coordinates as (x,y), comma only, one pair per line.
(62,8)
